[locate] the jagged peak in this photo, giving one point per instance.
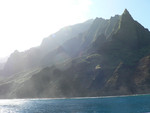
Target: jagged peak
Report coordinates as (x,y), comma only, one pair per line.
(126,14)
(126,11)
(97,18)
(114,17)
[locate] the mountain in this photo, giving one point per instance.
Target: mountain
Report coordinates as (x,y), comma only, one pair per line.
(57,39)
(95,58)
(33,58)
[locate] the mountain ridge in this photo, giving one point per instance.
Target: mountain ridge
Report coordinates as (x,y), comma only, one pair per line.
(31,58)
(110,57)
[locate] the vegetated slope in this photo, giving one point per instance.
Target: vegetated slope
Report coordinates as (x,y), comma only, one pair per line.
(32,58)
(111,58)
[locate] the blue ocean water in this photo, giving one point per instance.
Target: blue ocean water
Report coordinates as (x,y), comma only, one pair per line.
(127,104)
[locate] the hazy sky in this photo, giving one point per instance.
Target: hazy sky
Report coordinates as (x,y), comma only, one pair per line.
(24,23)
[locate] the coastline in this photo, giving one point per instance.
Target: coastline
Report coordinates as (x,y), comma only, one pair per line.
(116,96)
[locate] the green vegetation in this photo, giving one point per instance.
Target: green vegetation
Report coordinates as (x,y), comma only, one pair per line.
(112,57)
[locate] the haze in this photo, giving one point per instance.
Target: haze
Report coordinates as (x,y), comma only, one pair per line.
(24,23)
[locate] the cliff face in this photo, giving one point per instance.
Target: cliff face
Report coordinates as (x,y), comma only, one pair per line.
(36,56)
(111,57)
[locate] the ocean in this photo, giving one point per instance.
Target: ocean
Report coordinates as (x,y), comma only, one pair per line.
(120,104)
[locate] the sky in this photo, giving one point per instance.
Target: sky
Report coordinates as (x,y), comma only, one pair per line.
(24,23)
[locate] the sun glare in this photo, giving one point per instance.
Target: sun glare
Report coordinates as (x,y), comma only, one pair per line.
(23,24)
(12,102)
